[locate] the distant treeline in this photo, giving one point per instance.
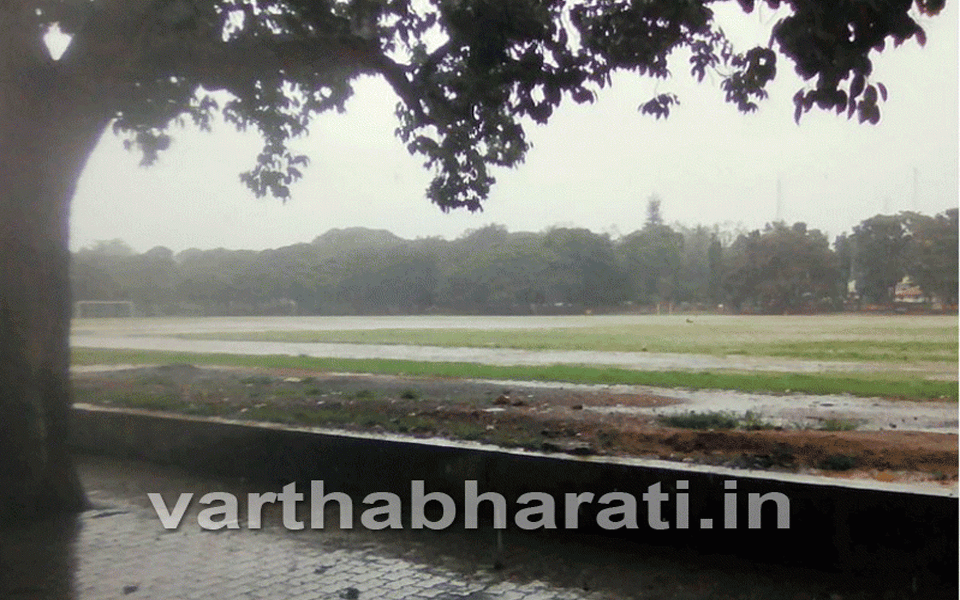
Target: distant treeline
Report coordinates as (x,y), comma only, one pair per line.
(779,269)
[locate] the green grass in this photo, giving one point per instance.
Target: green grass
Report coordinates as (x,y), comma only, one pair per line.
(410,394)
(838,425)
(888,385)
(702,420)
(147,401)
(837,462)
(935,344)
(750,421)
(334,415)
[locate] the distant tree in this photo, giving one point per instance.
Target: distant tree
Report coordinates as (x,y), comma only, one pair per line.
(695,282)
(652,258)
(399,280)
(89,280)
(345,241)
(843,247)
(98,271)
(878,246)
(149,280)
(483,238)
(469,74)
(217,281)
(783,269)
(582,268)
(653,212)
(471,271)
(111,248)
(715,261)
(508,273)
(930,255)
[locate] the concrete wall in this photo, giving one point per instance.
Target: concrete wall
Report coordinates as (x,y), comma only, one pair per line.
(904,536)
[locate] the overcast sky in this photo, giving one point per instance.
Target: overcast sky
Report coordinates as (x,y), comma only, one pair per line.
(593,166)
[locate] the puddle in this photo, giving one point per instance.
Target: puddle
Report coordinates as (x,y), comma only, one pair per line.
(870,414)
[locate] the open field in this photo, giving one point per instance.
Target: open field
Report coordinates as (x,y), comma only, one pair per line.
(895,338)
(788,386)
(618,340)
(890,356)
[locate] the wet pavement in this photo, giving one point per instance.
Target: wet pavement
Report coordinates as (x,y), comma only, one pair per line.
(120,550)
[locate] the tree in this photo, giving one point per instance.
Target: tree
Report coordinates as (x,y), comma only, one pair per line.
(401,279)
(468,73)
(652,257)
(878,256)
(492,270)
(96,269)
(783,269)
(582,269)
(653,211)
(150,279)
(930,255)
(701,255)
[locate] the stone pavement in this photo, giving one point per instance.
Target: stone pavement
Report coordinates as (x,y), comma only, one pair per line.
(120,550)
(262,565)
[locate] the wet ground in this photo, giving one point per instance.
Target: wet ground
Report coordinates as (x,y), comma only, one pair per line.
(786,410)
(861,326)
(803,410)
(149,334)
(907,442)
(120,550)
(647,361)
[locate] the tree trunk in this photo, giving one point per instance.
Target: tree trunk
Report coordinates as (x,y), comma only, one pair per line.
(48,128)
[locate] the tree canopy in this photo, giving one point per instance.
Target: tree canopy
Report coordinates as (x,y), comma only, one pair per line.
(470,74)
(490,270)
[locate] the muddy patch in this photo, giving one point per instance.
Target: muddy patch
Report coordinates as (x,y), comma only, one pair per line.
(579,420)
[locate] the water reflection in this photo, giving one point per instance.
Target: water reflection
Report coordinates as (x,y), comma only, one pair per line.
(120,550)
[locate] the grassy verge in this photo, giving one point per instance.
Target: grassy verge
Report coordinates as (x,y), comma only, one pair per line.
(269,400)
(880,385)
(749,421)
(689,339)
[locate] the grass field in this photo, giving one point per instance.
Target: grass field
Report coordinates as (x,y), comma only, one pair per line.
(885,384)
(833,337)
(924,346)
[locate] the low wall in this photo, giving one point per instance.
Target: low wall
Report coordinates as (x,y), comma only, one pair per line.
(905,537)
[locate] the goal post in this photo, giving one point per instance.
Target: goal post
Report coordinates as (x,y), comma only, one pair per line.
(84,309)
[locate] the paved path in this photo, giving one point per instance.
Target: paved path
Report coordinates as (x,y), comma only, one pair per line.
(119,550)
(124,556)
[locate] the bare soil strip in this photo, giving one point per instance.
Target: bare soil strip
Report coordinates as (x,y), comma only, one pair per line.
(579,420)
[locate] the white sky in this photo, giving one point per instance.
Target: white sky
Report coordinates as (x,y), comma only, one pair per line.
(593,166)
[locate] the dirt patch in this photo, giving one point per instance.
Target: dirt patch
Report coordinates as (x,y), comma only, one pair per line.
(575,421)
